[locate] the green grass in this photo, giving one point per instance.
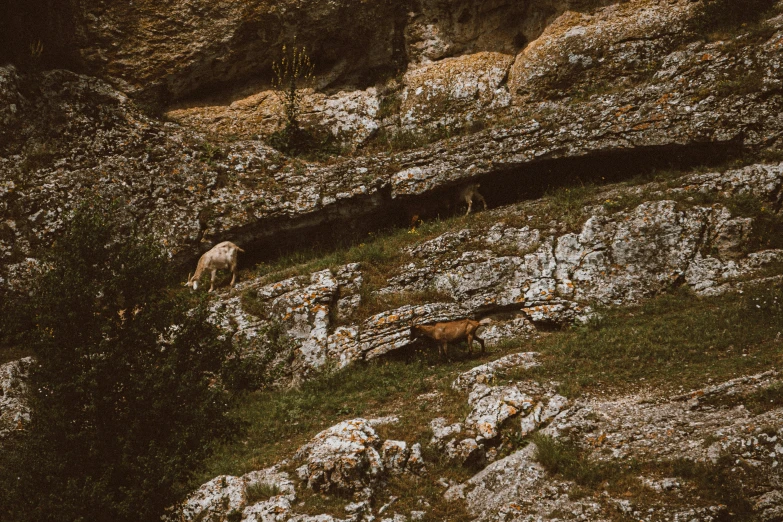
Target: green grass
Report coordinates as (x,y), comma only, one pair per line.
(758,401)
(277,422)
(672,343)
(675,340)
(564,458)
(723,482)
(261,491)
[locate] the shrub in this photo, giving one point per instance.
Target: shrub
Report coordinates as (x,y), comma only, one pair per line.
(565,458)
(290,76)
(258,364)
(721,15)
(261,491)
(122,391)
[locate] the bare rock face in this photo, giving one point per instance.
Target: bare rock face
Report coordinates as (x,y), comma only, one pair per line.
(73,133)
(454,90)
(350,116)
(580,51)
(210,44)
(14,412)
(492,405)
(484,373)
(198,47)
(341,458)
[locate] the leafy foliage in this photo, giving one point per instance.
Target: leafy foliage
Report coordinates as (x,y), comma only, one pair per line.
(122,394)
(261,362)
(721,15)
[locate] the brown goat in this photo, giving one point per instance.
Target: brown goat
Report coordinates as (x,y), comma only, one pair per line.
(443,333)
(469,193)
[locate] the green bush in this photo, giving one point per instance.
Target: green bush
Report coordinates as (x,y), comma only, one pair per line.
(253,367)
(312,144)
(564,458)
(122,392)
(722,15)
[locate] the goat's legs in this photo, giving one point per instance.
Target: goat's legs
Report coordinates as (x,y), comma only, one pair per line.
(233,275)
(481,342)
(212,280)
(481,198)
(469,201)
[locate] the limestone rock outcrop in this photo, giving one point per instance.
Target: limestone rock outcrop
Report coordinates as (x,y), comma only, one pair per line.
(72,132)
(14,411)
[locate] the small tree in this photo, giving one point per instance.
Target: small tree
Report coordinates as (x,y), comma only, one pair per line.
(291,75)
(123,396)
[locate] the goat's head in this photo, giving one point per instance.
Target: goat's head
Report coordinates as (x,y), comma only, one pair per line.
(192,282)
(415,331)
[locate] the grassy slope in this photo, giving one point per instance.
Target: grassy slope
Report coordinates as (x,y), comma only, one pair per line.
(672,343)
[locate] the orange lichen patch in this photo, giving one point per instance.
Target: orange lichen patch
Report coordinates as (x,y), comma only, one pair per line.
(706,57)
(484,427)
(623,110)
(642,126)
(597,441)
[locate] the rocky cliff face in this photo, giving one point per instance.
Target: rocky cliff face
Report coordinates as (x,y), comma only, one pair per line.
(164,52)
(685,103)
(425,97)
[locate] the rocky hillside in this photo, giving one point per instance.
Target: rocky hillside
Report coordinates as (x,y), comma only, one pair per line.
(627,272)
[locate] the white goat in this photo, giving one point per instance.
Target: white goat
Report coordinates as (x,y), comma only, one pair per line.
(222,256)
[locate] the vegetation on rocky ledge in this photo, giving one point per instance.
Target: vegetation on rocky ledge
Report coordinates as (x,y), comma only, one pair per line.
(122,391)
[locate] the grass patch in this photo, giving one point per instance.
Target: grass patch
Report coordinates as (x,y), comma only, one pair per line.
(717,18)
(725,482)
(13,353)
(564,458)
(261,491)
(277,422)
(676,339)
(567,205)
(411,490)
(758,401)
(765,399)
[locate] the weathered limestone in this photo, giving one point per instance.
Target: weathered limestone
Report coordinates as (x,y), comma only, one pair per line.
(492,406)
(485,373)
(454,90)
(226,495)
(14,412)
(341,458)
